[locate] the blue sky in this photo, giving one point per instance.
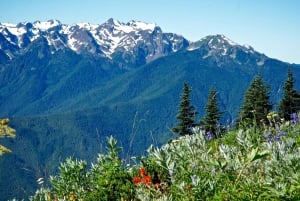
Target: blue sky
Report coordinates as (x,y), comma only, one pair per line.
(270,26)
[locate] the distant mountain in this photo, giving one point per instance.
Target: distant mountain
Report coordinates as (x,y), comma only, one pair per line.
(134,43)
(67,87)
(222,51)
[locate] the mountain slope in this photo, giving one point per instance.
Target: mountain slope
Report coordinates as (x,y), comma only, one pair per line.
(38,75)
(137,107)
(166,75)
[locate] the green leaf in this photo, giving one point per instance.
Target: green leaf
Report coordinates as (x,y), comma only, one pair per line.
(254,155)
(261,155)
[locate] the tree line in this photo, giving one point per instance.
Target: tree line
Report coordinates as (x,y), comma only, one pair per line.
(253,112)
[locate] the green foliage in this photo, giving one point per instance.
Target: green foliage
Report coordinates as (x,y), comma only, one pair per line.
(106,180)
(186,115)
(210,121)
(290,103)
(256,103)
(246,164)
(72,180)
(6,131)
(110,180)
(247,168)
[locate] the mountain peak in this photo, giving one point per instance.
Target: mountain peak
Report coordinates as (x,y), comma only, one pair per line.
(221,50)
(223,39)
(142,25)
(218,42)
(130,26)
(45,25)
(113,22)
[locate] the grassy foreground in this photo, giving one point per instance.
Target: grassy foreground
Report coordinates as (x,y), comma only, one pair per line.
(244,164)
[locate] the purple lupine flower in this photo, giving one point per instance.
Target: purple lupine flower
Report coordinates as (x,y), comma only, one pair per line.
(282,134)
(277,137)
(294,118)
(209,136)
(269,137)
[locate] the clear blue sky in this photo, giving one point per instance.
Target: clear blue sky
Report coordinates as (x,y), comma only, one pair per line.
(270,26)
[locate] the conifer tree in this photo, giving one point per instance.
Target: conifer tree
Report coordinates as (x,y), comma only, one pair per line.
(256,103)
(5,131)
(213,115)
(186,115)
(290,103)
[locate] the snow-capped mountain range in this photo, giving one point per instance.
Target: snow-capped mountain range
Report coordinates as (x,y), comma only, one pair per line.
(134,42)
(107,39)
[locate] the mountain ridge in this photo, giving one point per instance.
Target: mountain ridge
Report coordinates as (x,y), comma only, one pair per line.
(109,39)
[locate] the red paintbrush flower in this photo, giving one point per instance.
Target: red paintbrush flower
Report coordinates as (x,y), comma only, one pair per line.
(142,171)
(136,180)
(147,180)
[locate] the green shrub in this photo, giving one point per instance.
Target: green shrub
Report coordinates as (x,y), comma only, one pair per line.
(106,180)
(249,167)
(111,181)
(73,181)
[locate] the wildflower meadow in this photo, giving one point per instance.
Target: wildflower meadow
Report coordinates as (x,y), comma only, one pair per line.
(244,164)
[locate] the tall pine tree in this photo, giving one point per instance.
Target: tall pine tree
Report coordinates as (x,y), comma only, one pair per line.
(290,103)
(186,115)
(211,120)
(256,103)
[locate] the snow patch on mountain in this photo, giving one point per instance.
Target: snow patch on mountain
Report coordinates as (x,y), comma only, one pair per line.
(141,25)
(13,29)
(192,48)
(44,26)
(230,42)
